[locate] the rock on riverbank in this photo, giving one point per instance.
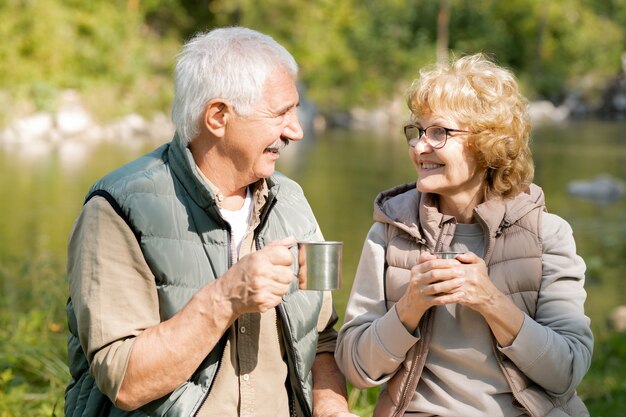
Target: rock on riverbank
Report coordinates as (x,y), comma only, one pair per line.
(72,127)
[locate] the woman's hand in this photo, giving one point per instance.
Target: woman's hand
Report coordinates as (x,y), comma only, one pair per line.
(433,282)
(464,280)
(480,294)
(477,291)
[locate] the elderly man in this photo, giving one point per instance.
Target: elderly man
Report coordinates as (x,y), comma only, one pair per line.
(183,300)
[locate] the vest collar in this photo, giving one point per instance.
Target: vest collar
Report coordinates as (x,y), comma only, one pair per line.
(186,171)
(498,214)
(414,212)
(417,214)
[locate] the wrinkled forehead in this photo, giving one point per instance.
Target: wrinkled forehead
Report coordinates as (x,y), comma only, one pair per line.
(280,89)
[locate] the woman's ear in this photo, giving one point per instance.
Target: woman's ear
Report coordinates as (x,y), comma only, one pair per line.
(216,115)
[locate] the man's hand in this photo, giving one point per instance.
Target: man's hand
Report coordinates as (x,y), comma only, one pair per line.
(167,354)
(259,280)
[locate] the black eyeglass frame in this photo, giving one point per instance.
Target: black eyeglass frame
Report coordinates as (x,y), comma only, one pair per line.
(422,132)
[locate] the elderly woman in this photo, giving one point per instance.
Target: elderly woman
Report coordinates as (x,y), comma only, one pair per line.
(500,329)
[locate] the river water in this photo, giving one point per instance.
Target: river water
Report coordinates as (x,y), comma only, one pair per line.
(341,173)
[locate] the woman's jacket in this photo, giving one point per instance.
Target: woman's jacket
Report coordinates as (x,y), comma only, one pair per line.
(555,328)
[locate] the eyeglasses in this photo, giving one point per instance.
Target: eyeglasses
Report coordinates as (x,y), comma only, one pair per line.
(436,136)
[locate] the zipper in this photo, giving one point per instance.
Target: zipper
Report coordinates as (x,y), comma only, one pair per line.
(488,243)
(486,257)
(298,391)
(206,396)
(269,204)
(292,391)
(223,338)
(439,243)
(292,403)
(404,398)
(508,379)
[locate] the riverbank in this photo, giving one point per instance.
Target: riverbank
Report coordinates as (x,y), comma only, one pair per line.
(72,127)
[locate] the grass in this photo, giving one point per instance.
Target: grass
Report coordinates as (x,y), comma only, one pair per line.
(604,386)
(33,369)
(33,358)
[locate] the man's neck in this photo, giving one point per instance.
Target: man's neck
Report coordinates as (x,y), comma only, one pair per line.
(231,189)
(235,201)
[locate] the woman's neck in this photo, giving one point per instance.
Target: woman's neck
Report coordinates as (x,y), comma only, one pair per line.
(460,206)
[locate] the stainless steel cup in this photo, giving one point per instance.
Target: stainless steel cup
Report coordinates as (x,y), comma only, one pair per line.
(447,255)
(320,265)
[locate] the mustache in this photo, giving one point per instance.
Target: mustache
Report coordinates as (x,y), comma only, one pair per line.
(279,144)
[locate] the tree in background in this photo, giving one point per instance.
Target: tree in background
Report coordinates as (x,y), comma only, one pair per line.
(443,31)
(352,52)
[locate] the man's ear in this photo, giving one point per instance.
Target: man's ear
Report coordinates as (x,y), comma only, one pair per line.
(216,115)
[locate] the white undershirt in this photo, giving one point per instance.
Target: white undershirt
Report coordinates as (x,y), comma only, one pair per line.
(239,219)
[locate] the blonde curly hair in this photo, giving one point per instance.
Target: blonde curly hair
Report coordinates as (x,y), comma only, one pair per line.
(485,99)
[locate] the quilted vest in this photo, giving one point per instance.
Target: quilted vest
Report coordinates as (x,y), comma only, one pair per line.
(186,244)
(513,254)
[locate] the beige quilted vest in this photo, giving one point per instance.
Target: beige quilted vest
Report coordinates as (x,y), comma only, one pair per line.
(513,255)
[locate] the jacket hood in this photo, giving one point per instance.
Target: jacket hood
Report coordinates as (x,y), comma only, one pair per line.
(399,206)
(418,215)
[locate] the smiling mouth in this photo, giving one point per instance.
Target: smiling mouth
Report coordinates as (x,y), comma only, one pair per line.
(277,146)
(431,166)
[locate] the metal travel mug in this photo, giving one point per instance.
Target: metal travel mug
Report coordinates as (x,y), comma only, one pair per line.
(320,265)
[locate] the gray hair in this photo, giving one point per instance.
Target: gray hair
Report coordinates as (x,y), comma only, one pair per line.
(230,63)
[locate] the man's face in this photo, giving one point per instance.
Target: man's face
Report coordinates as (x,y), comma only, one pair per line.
(254,142)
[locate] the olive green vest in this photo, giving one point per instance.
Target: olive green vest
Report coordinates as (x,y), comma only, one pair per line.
(171,211)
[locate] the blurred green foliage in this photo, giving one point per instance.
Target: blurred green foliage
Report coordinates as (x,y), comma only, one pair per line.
(604,386)
(119,53)
(103,49)
(33,334)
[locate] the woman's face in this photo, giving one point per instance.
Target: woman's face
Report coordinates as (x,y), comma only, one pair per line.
(451,171)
